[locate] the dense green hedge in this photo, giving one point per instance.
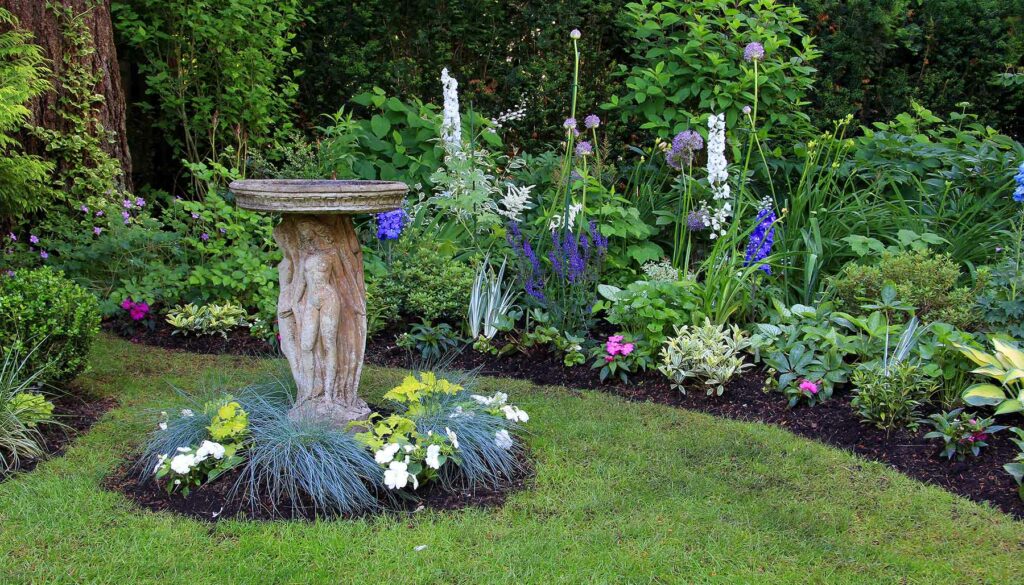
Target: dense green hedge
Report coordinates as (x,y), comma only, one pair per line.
(877,55)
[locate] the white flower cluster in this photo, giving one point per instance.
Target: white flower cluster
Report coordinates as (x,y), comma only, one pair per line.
(718,175)
(186,459)
(515,201)
(451,125)
(499,403)
(574,210)
(510,115)
(397,474)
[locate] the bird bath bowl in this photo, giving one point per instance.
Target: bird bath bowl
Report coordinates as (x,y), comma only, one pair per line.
(321,309)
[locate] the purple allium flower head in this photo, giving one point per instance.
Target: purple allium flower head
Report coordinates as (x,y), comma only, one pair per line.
(43,254)
(204,236)
(584,148)
(575,34)
(753,51)
(569,124)
(97,230)
(391,223)
(591,121)
(684,145)
(746,110)
(698,220)
(761,240)
(33,238)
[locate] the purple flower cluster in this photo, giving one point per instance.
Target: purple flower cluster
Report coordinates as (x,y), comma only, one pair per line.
(761,240)
(591,121)
(136,310)
(698,220)
(753,52)
(391,224)
(584,148)
(571,255)
(684,145)
(534,279)
(1018,192)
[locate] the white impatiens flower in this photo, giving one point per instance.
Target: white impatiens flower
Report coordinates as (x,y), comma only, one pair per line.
(182,464)
(208,449)
(159,462)
(397,476)
(451,125)
(514,413)
(503,440)
(163,426)
(433,454)
(515,201)
(409,448)
(187,413)
(452,437)
(497,399)
(387,454)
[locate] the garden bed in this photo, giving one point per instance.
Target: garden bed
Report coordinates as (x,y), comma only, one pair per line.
(835,422)
(77,414)
(211,502)
(161,334)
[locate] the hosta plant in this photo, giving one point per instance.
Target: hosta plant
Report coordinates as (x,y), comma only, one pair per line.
(1016,467)
(1006,366)
(209,319)
(962,433)
(709,353)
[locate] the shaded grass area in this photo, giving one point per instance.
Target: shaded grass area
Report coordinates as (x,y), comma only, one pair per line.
(624,492)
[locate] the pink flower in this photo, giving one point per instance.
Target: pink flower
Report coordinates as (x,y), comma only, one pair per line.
(609,358)
(809,387)
(626,348)
(126,304)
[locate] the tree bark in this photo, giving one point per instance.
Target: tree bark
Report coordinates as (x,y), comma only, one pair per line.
(43,23)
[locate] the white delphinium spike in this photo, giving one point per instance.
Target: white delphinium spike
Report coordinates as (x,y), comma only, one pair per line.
(718,174)
(451,125)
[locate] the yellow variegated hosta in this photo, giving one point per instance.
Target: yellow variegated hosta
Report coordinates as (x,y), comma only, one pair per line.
(412,390)
(1006,366)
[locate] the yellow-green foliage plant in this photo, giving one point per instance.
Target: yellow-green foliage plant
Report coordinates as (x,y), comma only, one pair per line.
(1006,366)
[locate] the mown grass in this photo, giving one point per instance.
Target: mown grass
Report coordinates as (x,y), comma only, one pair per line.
(625,493)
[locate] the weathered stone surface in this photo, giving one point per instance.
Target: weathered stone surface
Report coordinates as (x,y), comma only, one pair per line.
(322,304)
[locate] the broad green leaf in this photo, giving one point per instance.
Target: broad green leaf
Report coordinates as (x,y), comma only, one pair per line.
(984,395)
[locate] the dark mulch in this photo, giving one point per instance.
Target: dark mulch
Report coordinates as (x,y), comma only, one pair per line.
(212,502)
(834,422)
(77,412)
(160,333)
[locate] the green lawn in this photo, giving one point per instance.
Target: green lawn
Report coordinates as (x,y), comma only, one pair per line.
(630,493)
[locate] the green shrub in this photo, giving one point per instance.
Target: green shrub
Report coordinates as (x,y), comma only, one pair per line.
(710,353)
(649,308)
(43,308)
(925,280)
(424,281)
(689,62)
(208,319)
(891,400)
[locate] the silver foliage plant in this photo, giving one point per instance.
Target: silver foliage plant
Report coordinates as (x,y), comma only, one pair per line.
(489,301)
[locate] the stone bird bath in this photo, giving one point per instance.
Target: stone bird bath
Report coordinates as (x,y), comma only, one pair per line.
(321,309)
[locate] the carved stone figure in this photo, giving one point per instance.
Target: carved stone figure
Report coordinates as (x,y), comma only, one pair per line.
(321,307)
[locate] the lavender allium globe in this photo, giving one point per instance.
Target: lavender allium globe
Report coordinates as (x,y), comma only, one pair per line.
(584,148)
(761,240)
(591,121)
(698,220)
(575,34)
(746,110)
(684,145)
(1018,192)
(569,124)
(391,223)
(753,52)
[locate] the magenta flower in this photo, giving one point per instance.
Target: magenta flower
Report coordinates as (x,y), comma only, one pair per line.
(614,347)
(137,311)
(809,387)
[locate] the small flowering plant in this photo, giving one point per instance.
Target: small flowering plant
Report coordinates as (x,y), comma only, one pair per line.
(192,467)
(619,356)
(962,433)
(808,391)
(137,310)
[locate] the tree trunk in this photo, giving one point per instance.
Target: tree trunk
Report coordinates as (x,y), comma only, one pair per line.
(43,23)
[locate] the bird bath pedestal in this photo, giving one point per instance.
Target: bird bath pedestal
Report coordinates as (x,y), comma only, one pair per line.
(321,310)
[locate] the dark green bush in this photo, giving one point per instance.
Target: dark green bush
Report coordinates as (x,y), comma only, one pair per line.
(43,308)
(423,282)
(877,56)
(925,280)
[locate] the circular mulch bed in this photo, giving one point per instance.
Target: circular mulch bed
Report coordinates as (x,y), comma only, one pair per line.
(212,501)
(76,415)
(835,422)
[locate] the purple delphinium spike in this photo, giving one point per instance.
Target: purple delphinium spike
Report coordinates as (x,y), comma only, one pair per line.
(761,240)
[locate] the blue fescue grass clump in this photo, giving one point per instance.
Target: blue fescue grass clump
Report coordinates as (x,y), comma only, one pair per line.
(306,465)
